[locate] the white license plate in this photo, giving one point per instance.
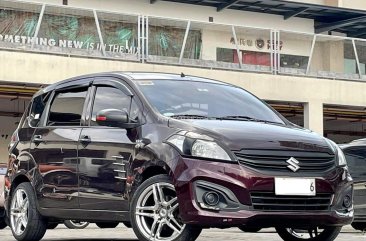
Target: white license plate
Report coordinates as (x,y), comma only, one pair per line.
(295,187)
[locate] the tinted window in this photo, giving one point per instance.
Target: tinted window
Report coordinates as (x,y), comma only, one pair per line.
(172,97)
(67,108)
(112,98)
(38,105)
(356,158)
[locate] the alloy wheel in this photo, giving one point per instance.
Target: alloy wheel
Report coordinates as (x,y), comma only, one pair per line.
(157,213)
(78,224)
(305,234)
(19,212)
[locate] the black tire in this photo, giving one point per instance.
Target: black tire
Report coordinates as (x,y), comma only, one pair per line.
(107,225)
(72,224)
(249,229)
(188,233)
(359,226)
(36,227)
(2,219)
(3,224)
(328,234)
(52,225)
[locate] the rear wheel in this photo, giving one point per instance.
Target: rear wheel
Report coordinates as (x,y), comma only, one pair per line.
(26,222)
(312,234)
(73,224)
(359,226)
(52,225)
(155,213)
(249,229)
(2,219)
(107,225)
(3,224)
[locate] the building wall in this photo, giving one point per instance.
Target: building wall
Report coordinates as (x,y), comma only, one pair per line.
(42,68)
(356,4)
(320,2)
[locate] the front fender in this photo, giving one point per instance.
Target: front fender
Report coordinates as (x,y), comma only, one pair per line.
(155,155)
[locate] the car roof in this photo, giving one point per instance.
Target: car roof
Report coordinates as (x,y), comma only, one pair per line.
(133,76)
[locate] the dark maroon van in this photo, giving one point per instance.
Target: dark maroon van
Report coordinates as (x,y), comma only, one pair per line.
(170,155)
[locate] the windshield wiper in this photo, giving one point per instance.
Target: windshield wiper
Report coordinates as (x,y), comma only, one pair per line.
(246,118)
(186,116)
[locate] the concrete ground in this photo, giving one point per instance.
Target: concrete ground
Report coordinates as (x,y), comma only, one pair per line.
(124,234)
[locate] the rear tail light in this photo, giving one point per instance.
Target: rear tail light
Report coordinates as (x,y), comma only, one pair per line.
(14,140)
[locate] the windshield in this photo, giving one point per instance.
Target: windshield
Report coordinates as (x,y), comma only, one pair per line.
(193,99)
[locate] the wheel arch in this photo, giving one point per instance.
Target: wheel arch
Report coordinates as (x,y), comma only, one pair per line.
(19,179)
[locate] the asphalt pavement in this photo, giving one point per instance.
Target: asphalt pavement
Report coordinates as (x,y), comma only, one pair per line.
(121,233)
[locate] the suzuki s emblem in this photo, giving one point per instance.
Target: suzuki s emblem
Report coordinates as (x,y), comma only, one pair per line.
(294,164)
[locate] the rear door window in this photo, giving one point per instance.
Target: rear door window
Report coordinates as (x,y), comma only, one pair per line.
(67,107)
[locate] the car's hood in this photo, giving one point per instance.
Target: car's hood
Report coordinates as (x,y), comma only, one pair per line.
(238,135)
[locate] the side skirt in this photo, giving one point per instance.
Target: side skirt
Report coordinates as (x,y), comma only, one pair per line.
(86,215)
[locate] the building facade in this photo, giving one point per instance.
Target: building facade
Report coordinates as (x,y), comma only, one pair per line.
(312,72)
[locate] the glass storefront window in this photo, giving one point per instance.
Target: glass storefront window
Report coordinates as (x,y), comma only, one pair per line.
(70,31)
(166,40)
(294,52)
(294,61)
(17,26)
(361,52)
(333,57)
(120,35)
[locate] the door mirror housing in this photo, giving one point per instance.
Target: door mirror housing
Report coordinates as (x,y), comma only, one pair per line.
(113,118)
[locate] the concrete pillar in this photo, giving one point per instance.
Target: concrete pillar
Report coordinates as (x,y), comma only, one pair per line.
(333,54)
(328,56)
(334,3)
(313,116)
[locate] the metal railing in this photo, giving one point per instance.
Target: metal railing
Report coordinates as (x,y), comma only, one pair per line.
(93,33)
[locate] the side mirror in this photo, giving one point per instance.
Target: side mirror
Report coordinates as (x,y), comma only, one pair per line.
(112,118)
(33,122)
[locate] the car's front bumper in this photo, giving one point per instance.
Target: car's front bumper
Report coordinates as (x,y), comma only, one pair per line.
(239,182)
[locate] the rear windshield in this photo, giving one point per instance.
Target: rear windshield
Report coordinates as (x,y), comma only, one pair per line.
(176,97)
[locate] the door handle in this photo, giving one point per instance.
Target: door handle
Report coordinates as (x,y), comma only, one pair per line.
(85,140)
(37,139)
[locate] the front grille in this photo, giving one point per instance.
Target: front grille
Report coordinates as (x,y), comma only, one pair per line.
(273,160)
(266,201)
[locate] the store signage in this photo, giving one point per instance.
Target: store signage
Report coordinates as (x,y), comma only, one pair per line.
(64,43)
(259,43)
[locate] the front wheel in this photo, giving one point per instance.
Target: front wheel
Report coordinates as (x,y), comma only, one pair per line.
(359,226)
(107,225)
(312,234)
(26,222)
(155,212)
(249,229)
(73,224)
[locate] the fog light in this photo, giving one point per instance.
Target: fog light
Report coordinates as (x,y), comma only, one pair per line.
(347,201)
(211,198)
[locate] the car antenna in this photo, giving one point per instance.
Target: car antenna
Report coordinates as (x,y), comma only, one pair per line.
(182,75)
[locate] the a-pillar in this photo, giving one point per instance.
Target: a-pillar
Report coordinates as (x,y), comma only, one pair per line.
(313,117)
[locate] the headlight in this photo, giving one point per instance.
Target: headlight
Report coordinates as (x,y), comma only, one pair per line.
(338,151)
(193,144)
